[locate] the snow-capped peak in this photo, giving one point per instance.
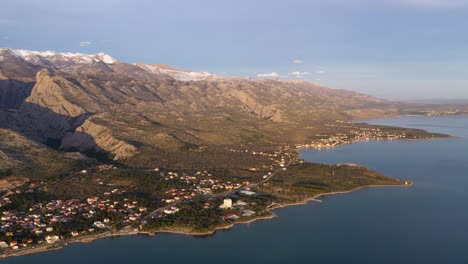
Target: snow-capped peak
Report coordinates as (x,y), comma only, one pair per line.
(178,74)
(40,57)
(106,58)
(67,61)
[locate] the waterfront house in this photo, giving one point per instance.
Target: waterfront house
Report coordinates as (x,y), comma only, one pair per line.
(3,244)
(99,224)
(248,213)
(52,239)
(231,217)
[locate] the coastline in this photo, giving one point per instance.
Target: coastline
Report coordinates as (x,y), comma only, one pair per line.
(91,238)
(441,136)
(354,120)
(315,197)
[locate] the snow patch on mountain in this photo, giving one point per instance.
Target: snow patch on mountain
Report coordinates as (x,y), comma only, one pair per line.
(178,74)
(67,60)
(41,57)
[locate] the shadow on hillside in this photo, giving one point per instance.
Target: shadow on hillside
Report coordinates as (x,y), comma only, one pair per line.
(41,124)
(13,93)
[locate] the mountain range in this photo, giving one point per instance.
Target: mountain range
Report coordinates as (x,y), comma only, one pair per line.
(99,106)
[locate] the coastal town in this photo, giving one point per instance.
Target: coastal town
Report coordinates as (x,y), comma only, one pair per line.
(294,131)
(354,134)
(53,221)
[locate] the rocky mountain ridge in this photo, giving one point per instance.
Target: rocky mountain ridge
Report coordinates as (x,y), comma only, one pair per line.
(95,103)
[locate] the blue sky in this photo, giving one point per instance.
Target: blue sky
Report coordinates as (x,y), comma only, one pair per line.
(401,49)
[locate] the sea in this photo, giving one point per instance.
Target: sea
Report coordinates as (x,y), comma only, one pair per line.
(425,223)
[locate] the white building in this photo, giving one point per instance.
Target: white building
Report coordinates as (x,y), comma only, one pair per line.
(227,203)
(52,239)
(248,213)
(171,210)
(239,203)
(247,192)
(99,224)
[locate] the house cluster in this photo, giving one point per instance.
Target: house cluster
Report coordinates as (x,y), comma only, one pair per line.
(278,158)
(354,134)
(44,222)
(202,183)
(41,219)
(374,133)
(272,155)
(235,209)
(281,162)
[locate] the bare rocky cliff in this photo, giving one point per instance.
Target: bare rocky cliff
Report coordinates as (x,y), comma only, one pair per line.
(92,136)
(53,93)
(96,103)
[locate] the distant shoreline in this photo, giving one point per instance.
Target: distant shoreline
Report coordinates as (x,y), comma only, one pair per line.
(357,120)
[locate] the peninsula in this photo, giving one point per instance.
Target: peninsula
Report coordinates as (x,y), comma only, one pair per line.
(93,147)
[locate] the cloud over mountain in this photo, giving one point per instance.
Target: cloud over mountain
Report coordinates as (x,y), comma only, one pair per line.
(85,43)
(268,75)
(299,74)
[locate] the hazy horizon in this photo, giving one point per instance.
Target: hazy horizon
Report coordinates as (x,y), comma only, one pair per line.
(394,49)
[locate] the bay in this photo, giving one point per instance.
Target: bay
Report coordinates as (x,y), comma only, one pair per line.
(426,223)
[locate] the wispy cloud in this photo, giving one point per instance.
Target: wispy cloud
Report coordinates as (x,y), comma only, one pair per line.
(297,61)
(320,72)
(268,75)
(299,74)
(436,3)
(85,43)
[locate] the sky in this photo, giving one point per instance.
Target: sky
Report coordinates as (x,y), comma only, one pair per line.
(395,49)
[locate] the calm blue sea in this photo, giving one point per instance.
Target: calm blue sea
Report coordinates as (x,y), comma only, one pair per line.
(427,223)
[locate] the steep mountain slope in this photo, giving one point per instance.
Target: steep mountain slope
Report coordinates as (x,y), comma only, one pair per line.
(34,160)
(96,104)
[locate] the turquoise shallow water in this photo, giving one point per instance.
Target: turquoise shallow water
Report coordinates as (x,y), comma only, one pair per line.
(427,223)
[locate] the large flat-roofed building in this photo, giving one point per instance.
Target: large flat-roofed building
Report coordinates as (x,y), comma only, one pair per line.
(227,203)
